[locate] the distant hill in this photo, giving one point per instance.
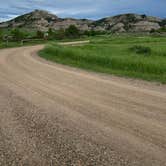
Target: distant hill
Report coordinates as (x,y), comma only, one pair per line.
(130,23)
(43,20)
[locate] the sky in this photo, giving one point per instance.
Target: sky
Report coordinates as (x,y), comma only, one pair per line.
(90,9)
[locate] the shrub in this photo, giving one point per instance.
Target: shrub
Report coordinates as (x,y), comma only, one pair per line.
(152,31)
(51,34)
(143,16)
(131,18)
(1,34)
(60,34)
(162,29)
(18,34)
(40,34)
(72,32)
(141,50)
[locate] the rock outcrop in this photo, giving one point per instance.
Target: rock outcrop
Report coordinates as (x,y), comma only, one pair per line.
(130,23)
(43,20)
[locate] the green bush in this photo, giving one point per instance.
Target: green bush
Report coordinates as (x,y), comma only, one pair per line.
(72,32)
(141,50)
(40,34)
(1,34)
(162,29)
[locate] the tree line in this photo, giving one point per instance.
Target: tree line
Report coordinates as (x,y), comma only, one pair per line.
(72,32)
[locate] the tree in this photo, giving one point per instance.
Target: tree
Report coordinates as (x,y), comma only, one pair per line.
(92,33)
(50,31)
(60,34)
(152,31)
(1,34)
(86,33)
(72,32)
(18,34)
(40,34)
(131,18)
(144,16)
(51,34)
(163,23)
(162,29)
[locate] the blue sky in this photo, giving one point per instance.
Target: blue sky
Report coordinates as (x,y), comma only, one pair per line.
(91,9)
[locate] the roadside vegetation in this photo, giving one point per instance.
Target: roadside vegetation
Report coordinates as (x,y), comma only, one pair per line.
(136,57)
(133,55)
(18,37)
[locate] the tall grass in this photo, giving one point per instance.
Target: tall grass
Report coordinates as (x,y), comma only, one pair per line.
(141,49)
(115,56)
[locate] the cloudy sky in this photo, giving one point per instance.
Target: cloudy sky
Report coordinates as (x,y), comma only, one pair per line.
(92,9)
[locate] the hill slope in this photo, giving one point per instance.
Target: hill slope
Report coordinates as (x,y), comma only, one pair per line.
(43,20)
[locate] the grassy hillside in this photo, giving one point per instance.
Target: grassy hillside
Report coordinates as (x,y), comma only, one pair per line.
(138,57)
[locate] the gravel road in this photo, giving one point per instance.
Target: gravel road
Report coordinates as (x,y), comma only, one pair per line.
(53,115)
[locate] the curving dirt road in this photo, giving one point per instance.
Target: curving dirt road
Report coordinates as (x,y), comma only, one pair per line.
(54,115)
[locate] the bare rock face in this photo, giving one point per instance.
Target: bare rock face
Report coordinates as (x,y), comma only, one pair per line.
(130,23)
(65,23)
(144,26)
(118,27)
(43,20)
(37,19)
(4,25)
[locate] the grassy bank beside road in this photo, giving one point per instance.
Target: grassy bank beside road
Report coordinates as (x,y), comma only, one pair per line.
(19,44)
(136,57)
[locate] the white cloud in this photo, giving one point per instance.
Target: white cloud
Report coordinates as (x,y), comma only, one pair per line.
(83,8)
(72,11)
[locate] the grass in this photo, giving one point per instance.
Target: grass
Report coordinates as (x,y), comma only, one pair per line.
(141,50)
(33,42)
(18,44)
(122,56)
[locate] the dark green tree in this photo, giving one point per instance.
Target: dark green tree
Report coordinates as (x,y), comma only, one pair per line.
(18,34)
(92,33)
(40,34)
(152,31)
(1,34)
(87,33)
(144,16)
(51,34)
(60,34)
(72,32)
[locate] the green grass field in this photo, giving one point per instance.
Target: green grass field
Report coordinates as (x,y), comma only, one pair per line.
(136,57)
